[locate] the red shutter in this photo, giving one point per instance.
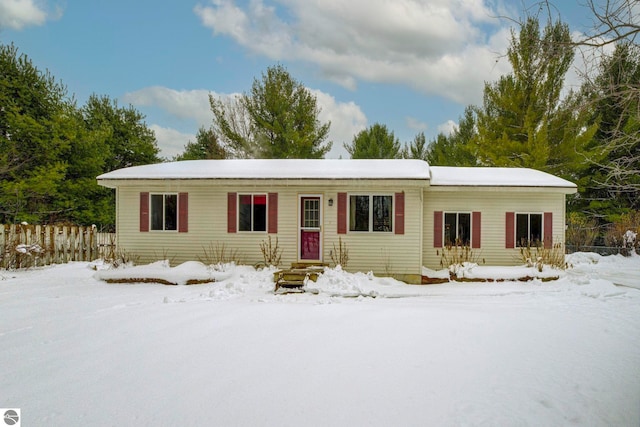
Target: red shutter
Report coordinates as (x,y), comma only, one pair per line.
(399,213)
(548,230)
(437,229)
(342,213)
(232,207)
(475,230)
(183,212)
(273,213)
(510,223)
(144,212)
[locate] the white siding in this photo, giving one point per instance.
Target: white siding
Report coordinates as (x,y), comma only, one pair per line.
(493,203)
(383,253)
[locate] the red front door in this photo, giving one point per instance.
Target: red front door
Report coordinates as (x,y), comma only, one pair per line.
(310,228)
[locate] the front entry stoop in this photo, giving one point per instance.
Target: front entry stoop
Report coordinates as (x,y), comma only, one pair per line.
(294,279)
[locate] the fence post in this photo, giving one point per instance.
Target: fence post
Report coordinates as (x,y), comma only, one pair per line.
(65,243)
(73,241)
(86,238)
(5,246)
(92,240)
(81,246)
(94,243)
(17,239)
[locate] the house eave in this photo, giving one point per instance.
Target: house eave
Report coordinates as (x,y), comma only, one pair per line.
(288,182)
(498,188)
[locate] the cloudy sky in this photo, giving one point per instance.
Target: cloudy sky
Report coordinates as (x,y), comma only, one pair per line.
(412,65)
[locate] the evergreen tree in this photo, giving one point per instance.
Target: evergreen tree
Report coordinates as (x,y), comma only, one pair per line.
(117,137)
(416,149)
(455,149)
(81,198)
(515,123)
(205,147)
(36,126)
(277,119)
(376,142)
(51,151)
(127,138)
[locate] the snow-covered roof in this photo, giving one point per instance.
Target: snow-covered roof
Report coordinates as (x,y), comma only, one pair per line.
(340,169)
(276,169)
(495,177)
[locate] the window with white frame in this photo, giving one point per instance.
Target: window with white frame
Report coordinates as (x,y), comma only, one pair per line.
(528,229)
(252,212)
(311,212)
(370,213)
(164,212)
(457,228)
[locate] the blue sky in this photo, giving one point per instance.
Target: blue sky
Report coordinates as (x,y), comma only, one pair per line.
(412,65)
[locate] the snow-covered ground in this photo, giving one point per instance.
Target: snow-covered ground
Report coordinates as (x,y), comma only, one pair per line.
(77,351)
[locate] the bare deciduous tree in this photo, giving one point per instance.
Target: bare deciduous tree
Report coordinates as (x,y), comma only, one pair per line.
(612,84)
(615,21)
(232,124)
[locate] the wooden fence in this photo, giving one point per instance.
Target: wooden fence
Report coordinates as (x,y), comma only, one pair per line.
(24,246)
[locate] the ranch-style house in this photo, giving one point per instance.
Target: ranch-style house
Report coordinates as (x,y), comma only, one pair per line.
(393,216)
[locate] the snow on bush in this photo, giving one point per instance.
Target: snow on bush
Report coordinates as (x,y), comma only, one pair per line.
(29,249)
(337,282)
(629,239)
(161,271)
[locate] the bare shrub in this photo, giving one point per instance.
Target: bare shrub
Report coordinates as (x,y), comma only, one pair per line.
(121,257)
(219,253)
(340,254)
(453,255)
(271,252)
(109,249)
(581,230)
(386,261)
(618,234)
(538,257)
(165,254)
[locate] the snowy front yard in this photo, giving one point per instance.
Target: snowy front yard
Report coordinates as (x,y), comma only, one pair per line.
(76,351)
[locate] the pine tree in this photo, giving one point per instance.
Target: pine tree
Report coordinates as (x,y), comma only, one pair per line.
(36,125)
(515,122)
(455,149)
(206,146)
(375,142)
(416,149)
(127,138)
(277,118)
(51,151)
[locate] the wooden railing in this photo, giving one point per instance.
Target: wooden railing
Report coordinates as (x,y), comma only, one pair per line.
(26,245)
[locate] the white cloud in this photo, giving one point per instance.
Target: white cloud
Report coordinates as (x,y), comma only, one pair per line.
(347,119)
(225,18)
(170,141)
(182,104)
(17,14)
(415,124)
(442,47)
(587,59)
(447,127)
(192,108)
